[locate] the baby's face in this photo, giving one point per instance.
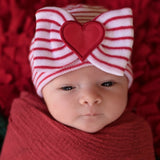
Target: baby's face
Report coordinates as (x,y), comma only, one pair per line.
(87,99)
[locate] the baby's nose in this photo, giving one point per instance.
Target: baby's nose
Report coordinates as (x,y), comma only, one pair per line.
(90,98)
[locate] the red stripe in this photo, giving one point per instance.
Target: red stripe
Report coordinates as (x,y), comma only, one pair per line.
(84,16)
(53,11)
(34,76)
(59,48)
(39,77)
(129,72)
(47,49)
(118,38)
(85,7)
(113,56)
(30,57)
(64,69)
(47,30)
(51,58)
(77,12)
(109,47)
(117,17)
(30,51)
(49,21)
(119,28)
(84,19)
(32,62)
(74,7)
(129,65)
(108,64)
(40,48)
(48,67)
(47,40)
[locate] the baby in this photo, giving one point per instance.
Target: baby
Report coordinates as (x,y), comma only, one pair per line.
(91,94)
(80,61)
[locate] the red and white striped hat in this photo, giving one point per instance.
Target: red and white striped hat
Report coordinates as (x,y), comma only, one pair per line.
(77,36)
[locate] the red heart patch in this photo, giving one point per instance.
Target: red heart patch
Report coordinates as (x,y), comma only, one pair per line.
(82,39)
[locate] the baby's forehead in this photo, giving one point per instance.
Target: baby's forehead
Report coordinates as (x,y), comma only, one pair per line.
(89,73)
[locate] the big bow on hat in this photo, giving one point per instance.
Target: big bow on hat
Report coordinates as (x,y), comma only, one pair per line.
(77,36)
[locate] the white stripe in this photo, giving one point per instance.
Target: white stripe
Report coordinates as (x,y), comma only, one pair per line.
(55,35)
(105,67)
(111,60)
(129,75)
(55,16)
(50,16)
(48,46)
(55,63)
(41,53)
(118,43)
(47,25)
(59,53)
(42,44)
(110,14)
(54,54)
(41,34)
(119,23)
(119,33)
(115,52)
(34,77)
(38,79)
(58,42)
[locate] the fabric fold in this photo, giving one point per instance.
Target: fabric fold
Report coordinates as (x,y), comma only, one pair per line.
(33,134)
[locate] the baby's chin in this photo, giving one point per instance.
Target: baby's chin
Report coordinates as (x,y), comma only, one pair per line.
(90,129)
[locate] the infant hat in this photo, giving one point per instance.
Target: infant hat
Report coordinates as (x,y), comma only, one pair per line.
(77,36)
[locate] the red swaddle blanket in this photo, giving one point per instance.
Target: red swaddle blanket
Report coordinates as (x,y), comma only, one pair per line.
(33,134)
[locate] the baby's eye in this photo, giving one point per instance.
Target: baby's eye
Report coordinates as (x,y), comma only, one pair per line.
(107,84)
(67,88)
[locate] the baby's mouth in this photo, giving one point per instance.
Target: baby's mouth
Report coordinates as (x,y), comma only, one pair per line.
(92,114)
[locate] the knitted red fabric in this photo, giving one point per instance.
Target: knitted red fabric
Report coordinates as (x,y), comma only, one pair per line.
(34,135)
